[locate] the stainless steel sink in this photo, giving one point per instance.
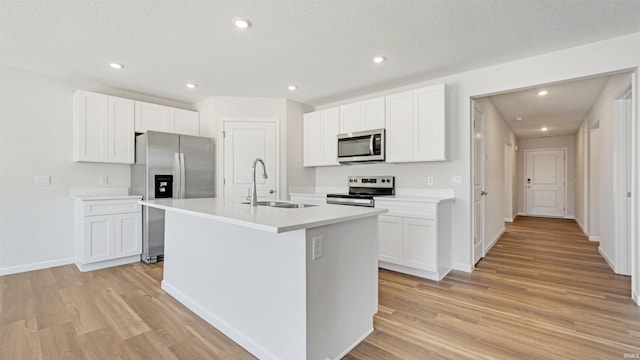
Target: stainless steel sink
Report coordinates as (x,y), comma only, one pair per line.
(281,204)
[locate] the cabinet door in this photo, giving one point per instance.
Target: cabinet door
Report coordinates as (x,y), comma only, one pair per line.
(373,114)
(152,117)
(399,125)
(185,122)
(330,130)
(350,118)
(312,134)
(429,124)
(121,141)
(90,127)
(127,234)
(98,238)
(390,239)
(420,243)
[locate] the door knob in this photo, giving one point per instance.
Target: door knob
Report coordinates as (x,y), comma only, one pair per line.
(483,193)
(271,191)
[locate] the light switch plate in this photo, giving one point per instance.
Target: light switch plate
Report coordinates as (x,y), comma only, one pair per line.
(42,180)
(456,180)
(317,247)
(104,180)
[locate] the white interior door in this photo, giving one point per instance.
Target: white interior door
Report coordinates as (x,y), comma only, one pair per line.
(545,182)
(478,184)
(244,141)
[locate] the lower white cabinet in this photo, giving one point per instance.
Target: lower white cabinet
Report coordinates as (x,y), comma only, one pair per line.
(415,238)
(108,232)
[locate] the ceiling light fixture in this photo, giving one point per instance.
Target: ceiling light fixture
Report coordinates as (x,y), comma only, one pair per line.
(544,129)
(116,65)
(242,23)
(519,118)
(543,92)
(191,85)
(378,59)
(292,87)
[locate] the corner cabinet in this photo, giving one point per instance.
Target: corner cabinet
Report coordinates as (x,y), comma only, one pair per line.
(166,119)
(320,130)
(103,129)
(414,237)
(416,125)
(108,232)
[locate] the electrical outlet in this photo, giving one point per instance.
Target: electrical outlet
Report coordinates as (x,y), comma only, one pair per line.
(316,242)
(429,180)
(456,180)
(42,180)
(104,180)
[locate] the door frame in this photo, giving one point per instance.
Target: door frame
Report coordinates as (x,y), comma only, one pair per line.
(476,106)
(220,145)
(524,180)
(622,178)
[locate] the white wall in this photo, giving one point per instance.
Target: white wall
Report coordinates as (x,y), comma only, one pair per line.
(288,114)
(552,142)
(594,183)
(603,114)
(36,138)
(581,178)
(602,57)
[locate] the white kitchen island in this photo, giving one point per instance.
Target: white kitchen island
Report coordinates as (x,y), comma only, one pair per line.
(282,283)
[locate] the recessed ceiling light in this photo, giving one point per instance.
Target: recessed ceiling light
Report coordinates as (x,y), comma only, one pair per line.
(191,85)
(378,59)
(116,65)
(519,118)
(544,129)
(242,23)
(543,92)
(292,87)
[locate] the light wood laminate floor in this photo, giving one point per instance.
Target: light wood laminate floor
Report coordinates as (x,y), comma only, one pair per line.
(543,291)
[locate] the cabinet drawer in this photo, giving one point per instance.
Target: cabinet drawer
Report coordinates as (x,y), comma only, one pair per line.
(107,207)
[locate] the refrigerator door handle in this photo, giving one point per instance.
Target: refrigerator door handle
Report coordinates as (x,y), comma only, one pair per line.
(178,175)
(183,191)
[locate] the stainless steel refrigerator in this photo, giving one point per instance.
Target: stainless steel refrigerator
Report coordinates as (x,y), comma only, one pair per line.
(169,166)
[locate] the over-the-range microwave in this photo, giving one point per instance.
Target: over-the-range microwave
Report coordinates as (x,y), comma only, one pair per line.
(362,146)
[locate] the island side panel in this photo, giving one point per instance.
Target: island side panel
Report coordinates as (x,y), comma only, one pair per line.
(342,286)
(247,283)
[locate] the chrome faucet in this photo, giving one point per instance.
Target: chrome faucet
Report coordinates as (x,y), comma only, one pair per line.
(254,196)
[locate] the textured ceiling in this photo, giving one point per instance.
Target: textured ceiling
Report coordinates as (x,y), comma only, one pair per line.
(322,46)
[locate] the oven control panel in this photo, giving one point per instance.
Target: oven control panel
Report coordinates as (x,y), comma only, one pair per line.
(372,181)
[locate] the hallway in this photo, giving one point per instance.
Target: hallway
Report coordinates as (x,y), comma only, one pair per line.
(543,291)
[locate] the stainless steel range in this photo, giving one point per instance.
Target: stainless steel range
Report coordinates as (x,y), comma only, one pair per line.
(362,190)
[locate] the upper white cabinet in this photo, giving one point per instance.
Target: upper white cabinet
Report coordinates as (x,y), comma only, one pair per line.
(167,119)
(103,128)
(363,115)
(416,126)
(320,137)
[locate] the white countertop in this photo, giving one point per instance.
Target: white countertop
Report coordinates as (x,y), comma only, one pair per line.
(265,218)
(405,198)
(89,197)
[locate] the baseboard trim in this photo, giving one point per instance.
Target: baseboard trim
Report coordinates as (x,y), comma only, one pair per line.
(606,258)
(36,266)
(462,267)
(352,346)
(509,219)
(107,263)
(594,238)
(636,299)
(493,242)
(582,227)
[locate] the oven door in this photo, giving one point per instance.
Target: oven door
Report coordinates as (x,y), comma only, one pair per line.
(361,146)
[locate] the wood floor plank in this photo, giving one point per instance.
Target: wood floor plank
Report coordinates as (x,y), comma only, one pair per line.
(542,292)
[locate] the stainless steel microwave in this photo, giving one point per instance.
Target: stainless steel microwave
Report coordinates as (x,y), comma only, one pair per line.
(362,146)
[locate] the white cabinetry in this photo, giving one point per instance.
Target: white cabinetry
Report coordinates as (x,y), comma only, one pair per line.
(320,137)
(103,128)
(416,125)
(415,237)
(108,232)
(364,115)
(167,119)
